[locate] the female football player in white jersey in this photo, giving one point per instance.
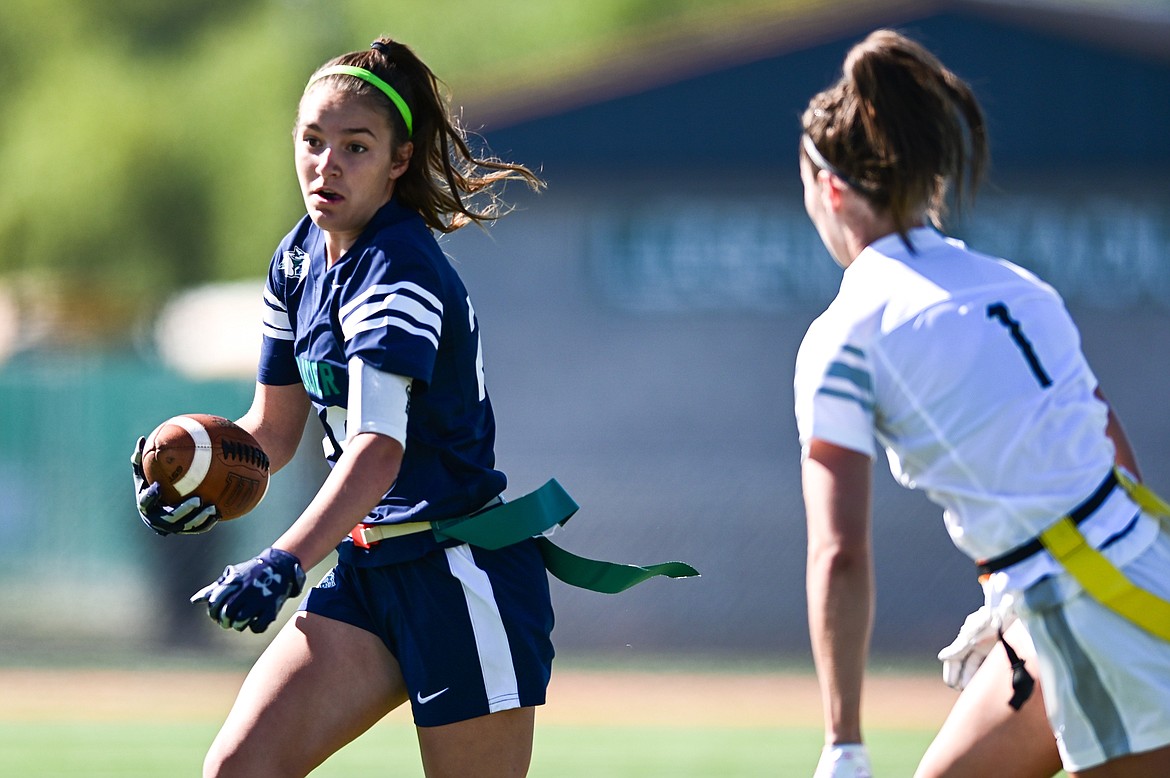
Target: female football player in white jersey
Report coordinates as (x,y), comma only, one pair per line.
(368,325)
(968,371)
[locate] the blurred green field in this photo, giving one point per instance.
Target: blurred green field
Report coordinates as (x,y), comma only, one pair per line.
(58,723)
(141,749)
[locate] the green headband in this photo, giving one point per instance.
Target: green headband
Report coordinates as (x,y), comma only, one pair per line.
(367,76)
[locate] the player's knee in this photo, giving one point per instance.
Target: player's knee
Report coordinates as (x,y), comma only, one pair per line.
(947,759)
(231,760)
(928,769)
(233,755)
(217,763)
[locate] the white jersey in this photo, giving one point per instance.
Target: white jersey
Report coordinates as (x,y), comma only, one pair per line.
(968,371)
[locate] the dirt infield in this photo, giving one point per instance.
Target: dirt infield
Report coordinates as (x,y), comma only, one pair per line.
(578,697)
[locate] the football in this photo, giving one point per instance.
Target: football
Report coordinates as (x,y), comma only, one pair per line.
(197,454)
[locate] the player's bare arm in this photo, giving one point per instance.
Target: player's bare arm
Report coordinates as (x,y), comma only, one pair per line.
(363,474)
(840,580)
(277,420)
(1124,454)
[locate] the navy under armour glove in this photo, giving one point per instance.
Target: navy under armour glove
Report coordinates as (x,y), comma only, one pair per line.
(251,593)
(188,518)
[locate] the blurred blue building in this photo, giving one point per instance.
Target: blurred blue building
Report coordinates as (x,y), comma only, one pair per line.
(643,315)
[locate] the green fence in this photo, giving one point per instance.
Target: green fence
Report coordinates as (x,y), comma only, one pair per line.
(76,564)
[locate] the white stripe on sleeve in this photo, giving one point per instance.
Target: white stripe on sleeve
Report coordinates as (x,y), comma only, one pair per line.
(404,305)
(276,323)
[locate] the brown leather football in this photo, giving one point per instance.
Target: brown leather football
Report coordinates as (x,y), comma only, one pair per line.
(197,454)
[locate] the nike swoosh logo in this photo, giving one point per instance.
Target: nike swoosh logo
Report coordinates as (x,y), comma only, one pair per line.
(424,700)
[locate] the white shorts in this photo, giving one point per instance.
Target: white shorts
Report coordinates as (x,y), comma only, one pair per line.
(1106,681)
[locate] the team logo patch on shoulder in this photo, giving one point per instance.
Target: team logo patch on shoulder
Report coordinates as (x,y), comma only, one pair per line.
(292,264)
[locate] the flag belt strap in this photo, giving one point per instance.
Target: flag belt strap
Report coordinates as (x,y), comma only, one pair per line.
(501,523)
(1035,546)
(1099,577)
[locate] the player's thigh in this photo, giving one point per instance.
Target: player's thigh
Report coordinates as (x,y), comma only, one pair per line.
(983,735)
(498,745)
(317,686)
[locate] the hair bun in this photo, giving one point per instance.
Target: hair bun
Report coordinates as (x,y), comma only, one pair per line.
(381,46)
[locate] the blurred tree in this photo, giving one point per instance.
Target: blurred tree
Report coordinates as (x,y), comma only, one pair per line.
(146,145)
(136,173)
(149,26)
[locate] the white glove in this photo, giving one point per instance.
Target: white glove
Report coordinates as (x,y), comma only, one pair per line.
(848,760)
(976,638)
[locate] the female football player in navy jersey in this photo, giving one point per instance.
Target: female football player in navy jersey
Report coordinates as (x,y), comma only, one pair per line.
(968,371)
(368,325)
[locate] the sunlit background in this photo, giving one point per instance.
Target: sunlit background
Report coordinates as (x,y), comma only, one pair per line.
(641,317)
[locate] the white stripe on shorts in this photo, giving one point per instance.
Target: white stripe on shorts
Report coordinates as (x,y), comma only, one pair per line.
(491,641)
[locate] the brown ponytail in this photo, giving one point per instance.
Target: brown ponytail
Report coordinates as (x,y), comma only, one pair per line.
(446,182)
(902,128)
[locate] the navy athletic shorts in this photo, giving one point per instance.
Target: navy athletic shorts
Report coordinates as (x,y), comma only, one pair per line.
(470,627)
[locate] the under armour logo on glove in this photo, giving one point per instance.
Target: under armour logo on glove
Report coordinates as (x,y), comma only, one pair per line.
(250,594)
(267,578)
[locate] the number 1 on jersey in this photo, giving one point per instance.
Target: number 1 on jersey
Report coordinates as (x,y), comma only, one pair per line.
(1000,311)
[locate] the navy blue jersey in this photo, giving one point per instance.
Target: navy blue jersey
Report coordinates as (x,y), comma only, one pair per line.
(394,301)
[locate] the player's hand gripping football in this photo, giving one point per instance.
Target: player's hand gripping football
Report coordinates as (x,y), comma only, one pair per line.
(846,760)
(190,517)
(978,635)
(251,593)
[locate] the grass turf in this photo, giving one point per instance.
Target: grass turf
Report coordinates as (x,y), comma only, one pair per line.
(138,749)
(609,720)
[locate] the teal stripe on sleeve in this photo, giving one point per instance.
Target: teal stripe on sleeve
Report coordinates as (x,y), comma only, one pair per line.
(856,376)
